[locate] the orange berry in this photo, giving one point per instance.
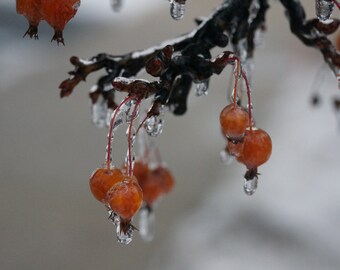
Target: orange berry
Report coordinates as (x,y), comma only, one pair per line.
(31,10)
(58,13)
(125,198)
(152,189)
(102,180)
(234,121)
(165,177)
(158,181)
(140,171)
(257,148)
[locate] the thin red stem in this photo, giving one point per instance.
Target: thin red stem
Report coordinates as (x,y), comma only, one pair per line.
(141,124)
(238,68)
(250,109)
(108,154)
(336,3)
(130,167)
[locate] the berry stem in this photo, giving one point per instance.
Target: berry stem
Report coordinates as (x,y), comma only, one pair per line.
(237,75)
(337,3)
(250,107)
(108,154)
(130,165)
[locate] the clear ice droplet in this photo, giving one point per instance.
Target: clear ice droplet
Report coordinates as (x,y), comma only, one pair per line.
(108,117)
(146,224)
(202,88)
(119,120)
(177,10)
(98,112)
(226,158)
(324,9)
(154,125)
(124,237)
(250,186)
(130,116)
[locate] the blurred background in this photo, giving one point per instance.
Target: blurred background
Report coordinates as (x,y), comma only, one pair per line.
(48,149)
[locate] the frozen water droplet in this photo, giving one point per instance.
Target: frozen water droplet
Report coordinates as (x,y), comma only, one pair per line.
(98,112)
(154,125)
(109,152)
(177,9)
(113,216)
(202,88)
(260,38)
(109,114)
(226,158)
(119,120)
(324,9)
(126,107)
(250,186)
(117,5)
(131,154)
(146,224)
(241,49)
(124,233)
(253,11)
(232,97)
(133,134)
(132,114)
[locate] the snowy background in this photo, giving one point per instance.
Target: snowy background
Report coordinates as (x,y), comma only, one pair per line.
(48,149)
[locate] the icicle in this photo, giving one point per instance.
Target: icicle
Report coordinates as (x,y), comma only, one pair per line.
(132,153)
(225,157)
(118,121)
(129,116)
(98,112)
(248,67)
(124,231)
(241,50)
(324,9)
(109,114)
(154,124)
(177,9)
(260,38)
(146,223)
(202,88)
(250,186)
(253,11)
(124,235)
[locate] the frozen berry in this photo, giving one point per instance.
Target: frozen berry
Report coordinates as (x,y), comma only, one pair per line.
(102,180)
(234,121)
(257,148)
(140,171)
(58,13)
(125,198)
(31,10)
(165,178)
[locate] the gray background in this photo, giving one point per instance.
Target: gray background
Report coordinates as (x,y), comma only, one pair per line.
(48,149)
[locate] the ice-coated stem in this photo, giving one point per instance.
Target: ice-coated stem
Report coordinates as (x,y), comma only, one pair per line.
(130,161)
(109,140)
(250,106)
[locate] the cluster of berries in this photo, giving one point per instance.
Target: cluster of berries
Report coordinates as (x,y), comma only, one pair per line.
(247,144)
(137,184)
(57,13)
